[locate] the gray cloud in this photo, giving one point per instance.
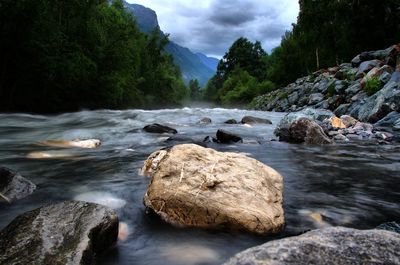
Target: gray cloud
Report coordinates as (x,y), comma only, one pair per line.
(211,26)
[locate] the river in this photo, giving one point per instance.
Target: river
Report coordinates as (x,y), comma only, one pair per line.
(353,185)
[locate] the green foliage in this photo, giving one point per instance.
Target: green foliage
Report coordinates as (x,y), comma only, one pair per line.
(372,85)
(331,88)
(67,55)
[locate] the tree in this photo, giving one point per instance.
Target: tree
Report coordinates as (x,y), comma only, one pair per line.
(194,89)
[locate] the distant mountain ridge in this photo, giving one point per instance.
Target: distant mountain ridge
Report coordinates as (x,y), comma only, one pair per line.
(193,65)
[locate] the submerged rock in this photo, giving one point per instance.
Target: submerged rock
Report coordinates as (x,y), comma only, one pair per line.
(158,128)
(335,245)
(13,186)
(89,143)
(225,137)
(390,226)
(199,187)
(205,120)
(231,121)
(70,232)
(254,120)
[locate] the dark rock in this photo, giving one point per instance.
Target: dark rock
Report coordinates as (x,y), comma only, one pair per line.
(366,66)
(70,232)
(390,226)
(255,120)
(178,139)
(356,61)
(353,89)
(341,110)
(231,121)
(227,137)
(205,120)
(158,128)
(13,186)
(334,245)
(307,131)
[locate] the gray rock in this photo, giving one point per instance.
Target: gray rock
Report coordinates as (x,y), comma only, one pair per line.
(255,120)
(158,128)
(315,98)
(282,130)
(293,98)
(341,138)
(388,120)
(205,120)
(306,131)
(356,61)
(334,245)
(366,66)
(384,136)
(380,104)
(385,77)
(395,77)
(353,89)
(70,232)
(225,137)
(340,86)
(13,186)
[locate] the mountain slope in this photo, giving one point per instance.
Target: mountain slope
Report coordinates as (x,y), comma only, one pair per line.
(193,66)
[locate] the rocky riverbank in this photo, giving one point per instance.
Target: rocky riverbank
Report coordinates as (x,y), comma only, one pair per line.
(367,89)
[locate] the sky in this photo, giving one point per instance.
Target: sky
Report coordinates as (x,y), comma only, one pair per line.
(211,26)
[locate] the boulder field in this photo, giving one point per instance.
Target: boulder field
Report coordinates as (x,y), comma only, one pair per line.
(367,89)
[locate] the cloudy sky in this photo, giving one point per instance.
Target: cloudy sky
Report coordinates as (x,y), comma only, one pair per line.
(211,26)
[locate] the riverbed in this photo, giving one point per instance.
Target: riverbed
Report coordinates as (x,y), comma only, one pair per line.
(353,184)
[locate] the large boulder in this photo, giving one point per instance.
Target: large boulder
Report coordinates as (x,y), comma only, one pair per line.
(199,187)
(282,130)
(306,131)
(13,186)
(254,120)
(158,128)
(380,104)
(335,245)
(70,232)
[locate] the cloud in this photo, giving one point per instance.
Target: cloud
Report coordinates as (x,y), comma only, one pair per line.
(211,26)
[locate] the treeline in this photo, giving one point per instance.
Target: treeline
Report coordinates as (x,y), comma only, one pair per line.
(327,33)
(67,55)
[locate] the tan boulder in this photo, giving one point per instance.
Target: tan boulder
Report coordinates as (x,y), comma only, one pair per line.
(195,186)
(337,123)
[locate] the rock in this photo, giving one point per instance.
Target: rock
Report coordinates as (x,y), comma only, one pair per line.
(13,186)
(205,120)
(89,143)
(363,126)
(282,130)
(337,123)
(342,109)
(356,61)
(194,186)
(348,120)
(231,121)
(306,131)
(390,226)
(315,98)
(340,137)
(389,120)
(158,128)
(395,77)
(179,139)
(225,137)
(353,89)
(70,232)
(385,77)
(381,103)
(254,120)
(366,66)
(333,245)
(384,136)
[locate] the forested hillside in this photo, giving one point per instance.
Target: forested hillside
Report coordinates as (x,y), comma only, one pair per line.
(67,55)
(327,33)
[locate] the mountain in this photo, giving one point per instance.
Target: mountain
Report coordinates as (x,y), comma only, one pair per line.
(193,65)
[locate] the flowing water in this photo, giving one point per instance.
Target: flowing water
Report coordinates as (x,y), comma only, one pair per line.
(353,185)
